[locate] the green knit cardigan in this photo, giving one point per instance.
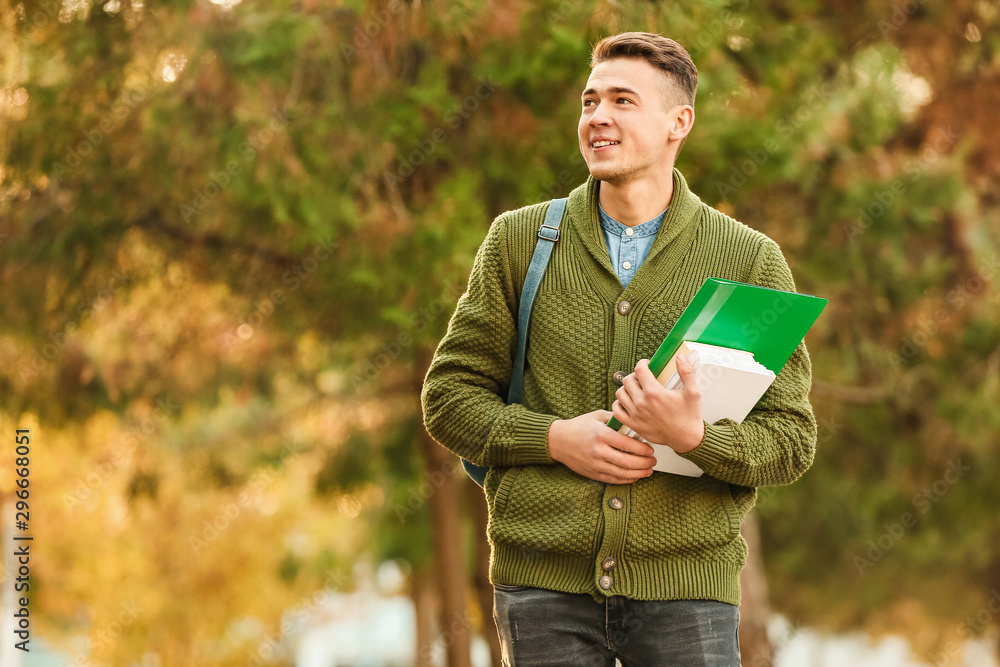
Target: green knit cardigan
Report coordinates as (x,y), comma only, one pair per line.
(671,537)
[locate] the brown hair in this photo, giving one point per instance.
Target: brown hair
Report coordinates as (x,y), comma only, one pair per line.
(661,52)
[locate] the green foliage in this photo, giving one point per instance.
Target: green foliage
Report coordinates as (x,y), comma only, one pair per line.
(271,236)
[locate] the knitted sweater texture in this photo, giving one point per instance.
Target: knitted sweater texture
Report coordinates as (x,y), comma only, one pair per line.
(671,537)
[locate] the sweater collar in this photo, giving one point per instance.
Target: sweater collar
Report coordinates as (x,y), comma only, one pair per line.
(681,217)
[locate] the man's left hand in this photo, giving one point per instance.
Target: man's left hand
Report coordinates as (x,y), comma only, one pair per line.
(660,415)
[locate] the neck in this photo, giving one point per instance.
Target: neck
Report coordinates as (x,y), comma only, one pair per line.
(634,202)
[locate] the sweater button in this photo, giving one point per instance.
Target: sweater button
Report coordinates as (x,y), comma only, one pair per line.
(605,582)
(619,377)
(624,307)
(608,564)
(616,503)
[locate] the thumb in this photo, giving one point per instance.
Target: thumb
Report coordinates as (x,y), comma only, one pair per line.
(686,372)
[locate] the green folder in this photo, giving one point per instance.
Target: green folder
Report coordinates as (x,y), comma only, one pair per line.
(770,323)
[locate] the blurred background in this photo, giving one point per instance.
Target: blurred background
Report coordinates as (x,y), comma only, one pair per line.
(232,233)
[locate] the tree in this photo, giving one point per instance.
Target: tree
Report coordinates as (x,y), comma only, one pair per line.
(231,235)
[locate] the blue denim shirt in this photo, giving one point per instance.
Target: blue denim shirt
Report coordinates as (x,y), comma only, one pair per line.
(628,246)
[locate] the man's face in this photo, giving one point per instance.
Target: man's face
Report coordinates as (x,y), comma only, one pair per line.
(625,122)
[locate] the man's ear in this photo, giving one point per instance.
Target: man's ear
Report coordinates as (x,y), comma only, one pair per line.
(682,119)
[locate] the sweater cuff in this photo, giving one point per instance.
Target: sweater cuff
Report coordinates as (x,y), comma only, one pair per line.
(531,439)
(716,448)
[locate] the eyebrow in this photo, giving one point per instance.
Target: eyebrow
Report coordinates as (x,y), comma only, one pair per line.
(612,89)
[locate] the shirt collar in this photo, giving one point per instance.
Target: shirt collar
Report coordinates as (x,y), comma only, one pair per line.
(612,226)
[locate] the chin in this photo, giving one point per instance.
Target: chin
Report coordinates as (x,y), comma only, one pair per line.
(601,172)
(611,176)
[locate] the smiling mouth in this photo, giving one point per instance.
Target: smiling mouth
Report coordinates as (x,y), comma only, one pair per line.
(602,144)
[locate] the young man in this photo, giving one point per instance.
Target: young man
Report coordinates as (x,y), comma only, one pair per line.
(593,555)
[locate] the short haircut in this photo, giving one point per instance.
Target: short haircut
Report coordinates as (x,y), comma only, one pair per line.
(661,52)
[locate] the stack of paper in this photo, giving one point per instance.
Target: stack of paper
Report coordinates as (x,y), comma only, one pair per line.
(667,460)
(731,383)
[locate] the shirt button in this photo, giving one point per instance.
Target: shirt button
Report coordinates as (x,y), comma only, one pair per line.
(624,307)
(616,503)
(619,377)
(627,265)
(629,232)
(608,564)
(605,582)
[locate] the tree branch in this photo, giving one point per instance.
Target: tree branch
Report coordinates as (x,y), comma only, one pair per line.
(849,394)
(154,222)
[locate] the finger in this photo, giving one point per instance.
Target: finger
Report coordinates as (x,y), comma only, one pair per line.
(615,475)
(632,462)
(633,473)
(626,399)
(632,455)
(602,415)
(624,443)
(631,384)
(620,481)
(643,375)
(608,478)
(621,414)
(688,377)
(684,366)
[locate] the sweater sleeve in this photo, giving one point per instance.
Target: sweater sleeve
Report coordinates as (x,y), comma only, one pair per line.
(776,442)
(464,392)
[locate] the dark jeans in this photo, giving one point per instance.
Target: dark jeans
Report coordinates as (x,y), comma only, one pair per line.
(540,627)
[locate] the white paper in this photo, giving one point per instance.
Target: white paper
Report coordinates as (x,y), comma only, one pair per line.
(731,383)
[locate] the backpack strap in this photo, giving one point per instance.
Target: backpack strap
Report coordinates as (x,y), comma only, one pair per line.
(548,234)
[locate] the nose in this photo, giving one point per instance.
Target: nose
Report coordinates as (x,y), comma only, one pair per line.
(599,117)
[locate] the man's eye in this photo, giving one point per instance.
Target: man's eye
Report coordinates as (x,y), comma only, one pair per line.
(624,100)
(588,103)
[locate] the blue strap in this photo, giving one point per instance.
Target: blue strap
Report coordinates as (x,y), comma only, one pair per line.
(548,232)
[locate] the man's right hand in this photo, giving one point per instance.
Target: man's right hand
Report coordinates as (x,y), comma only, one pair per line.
(586,445)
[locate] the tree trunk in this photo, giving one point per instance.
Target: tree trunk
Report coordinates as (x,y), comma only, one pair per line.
(481,569)
(755,611)
(447,541)
(996,619)
(423,592)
